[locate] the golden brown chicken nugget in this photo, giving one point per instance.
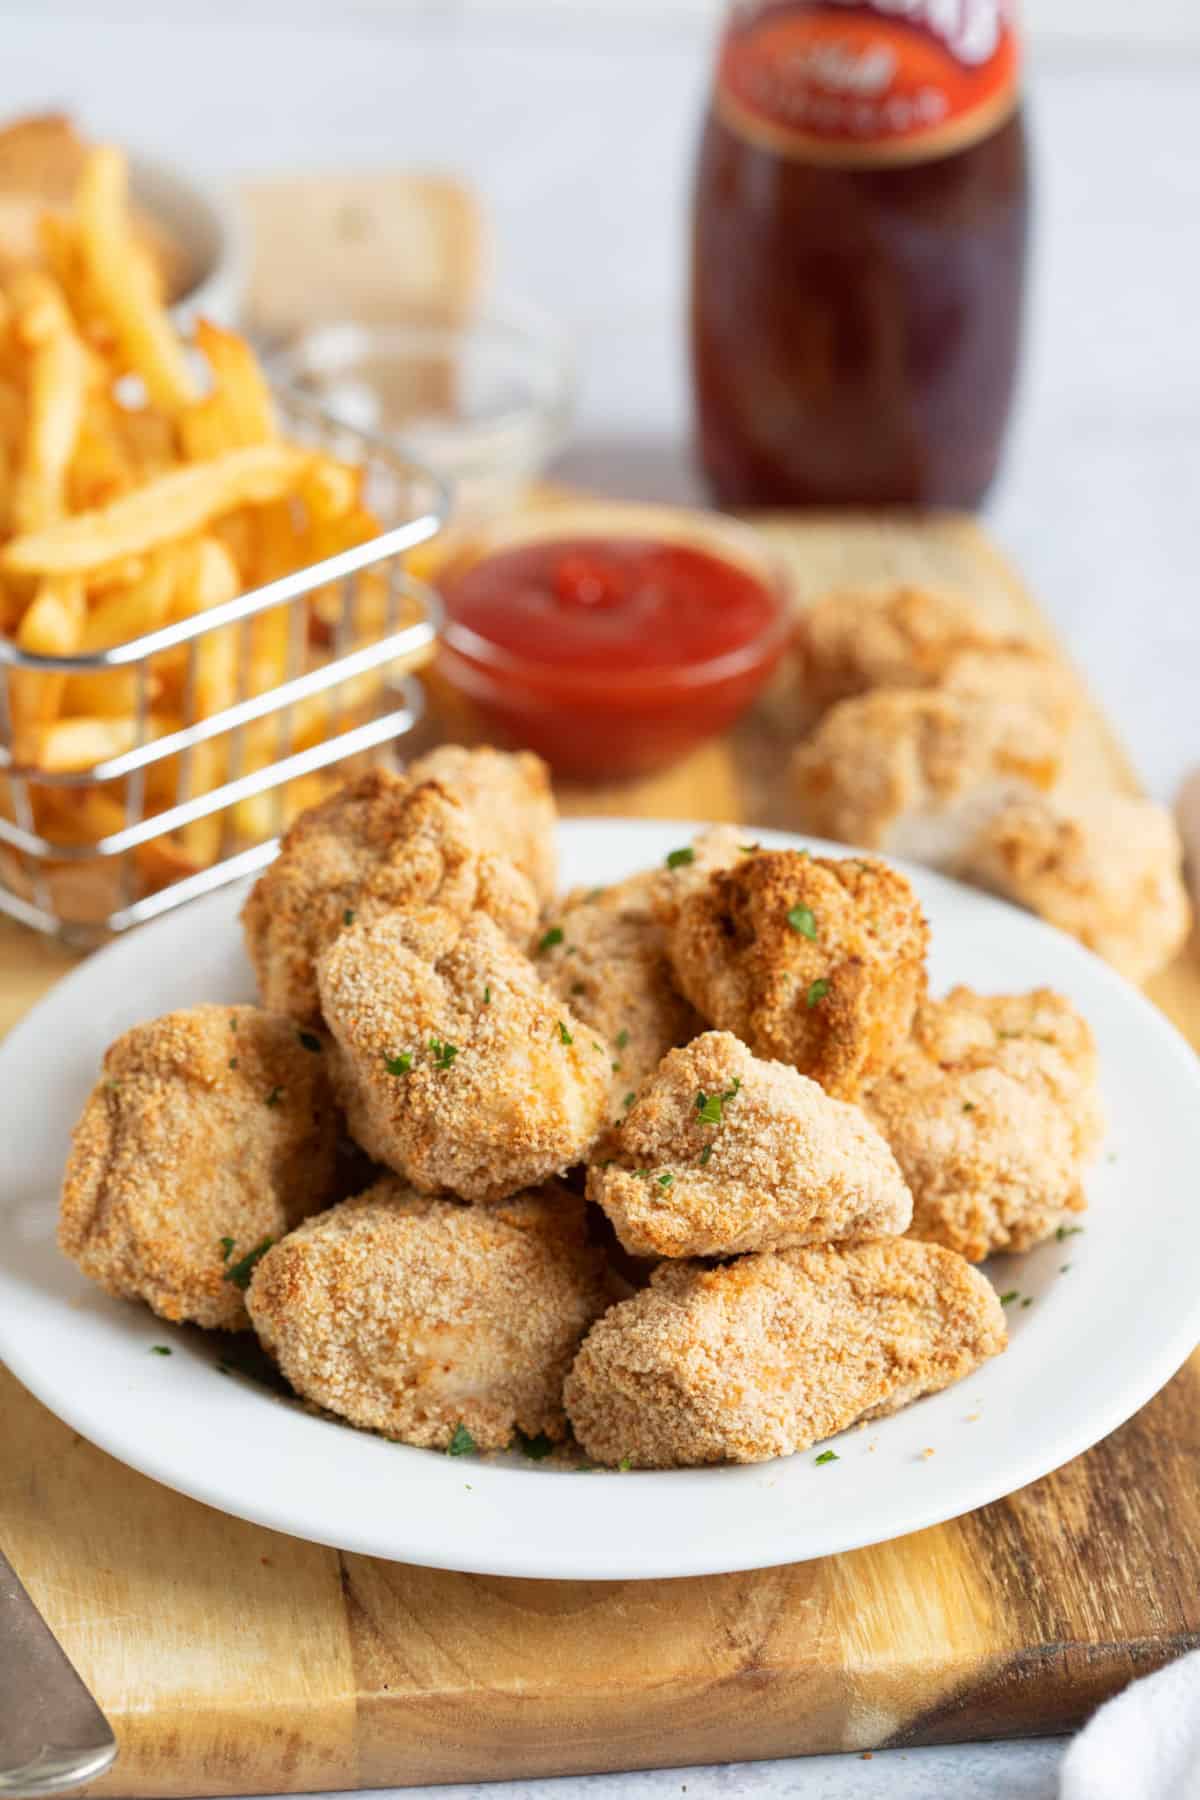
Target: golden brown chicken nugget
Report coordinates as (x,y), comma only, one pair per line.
(379,842)
(211,1133)
(722,1153)
(769,1354)
(1108,870)
(458,1067)
(918,772)
(810,960)
(852,640)
(511,803)
(605,953)
(432,1322)
(993,1114)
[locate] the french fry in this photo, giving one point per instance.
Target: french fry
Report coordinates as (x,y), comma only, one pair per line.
(129,612)
(238,411)
(124,287)
(209,579)
(58,373)
(172,506)
(52,626)
(68,745)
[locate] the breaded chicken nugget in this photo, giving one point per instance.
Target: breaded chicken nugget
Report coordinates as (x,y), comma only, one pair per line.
(1108,871)
(211,1133)
(510,802)
(850,641)
(993,1114)
(769,1354)
(918,773)
(809,960)
(379,842)
(721,1153)
(688,868)
(606,955)
(459,1068)
(423,1319)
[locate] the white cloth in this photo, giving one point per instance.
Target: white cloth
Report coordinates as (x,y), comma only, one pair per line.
(1144,1744)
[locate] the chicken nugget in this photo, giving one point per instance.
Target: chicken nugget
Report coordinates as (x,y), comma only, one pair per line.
(459,1068)
(688,867)
(211,1133)
(605,953)
(769,1354)
(510,801)
(918,773)
(850,641)
(810,960)
(993,1115)
(379,842)
(434,1323)
(1109,871)
(721,1153)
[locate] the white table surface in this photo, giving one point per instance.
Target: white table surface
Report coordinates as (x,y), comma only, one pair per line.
(577,121)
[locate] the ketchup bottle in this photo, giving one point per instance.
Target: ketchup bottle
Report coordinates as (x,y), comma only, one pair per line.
(859,244)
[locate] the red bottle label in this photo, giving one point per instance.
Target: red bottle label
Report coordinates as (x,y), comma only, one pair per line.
(868,82)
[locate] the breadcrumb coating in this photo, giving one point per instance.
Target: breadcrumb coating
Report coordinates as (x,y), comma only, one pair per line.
(722,1153)
(993,1114)
(380,841)
(850,641)
(1108,871)
(511,804)
(769,1354)
(917,772)
(459,1068)
(414,1317)
(209,1132)
(717,847)
(810,960)
(612,968)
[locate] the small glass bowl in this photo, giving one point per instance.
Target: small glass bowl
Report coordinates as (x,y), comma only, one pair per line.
(484,402)
(614,726)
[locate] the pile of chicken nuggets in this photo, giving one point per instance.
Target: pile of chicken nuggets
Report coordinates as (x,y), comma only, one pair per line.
(683,1170)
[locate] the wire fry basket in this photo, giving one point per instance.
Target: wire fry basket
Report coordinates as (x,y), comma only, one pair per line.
(189,803)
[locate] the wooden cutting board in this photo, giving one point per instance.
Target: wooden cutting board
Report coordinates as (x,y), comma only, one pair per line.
(235,1661)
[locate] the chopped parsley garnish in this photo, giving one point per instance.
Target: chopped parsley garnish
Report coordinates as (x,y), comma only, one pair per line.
(628,1101)
(1028,1300)
(398,1065)
(594,894)
(827,1456)
(233,1024)
(749,849)
(1064,1268)
(801,919)
(563,1034)
(462,1443)
(112,1086)
(348,916)
(1007,1299)
(1066,1231)
(616,1068)
(705,1154)
(817,993)
(226,1249)
(443,1054)
(487,996)
(550,938)
(310,1041)
(666,1180)
(240,1272)
(624,1465)
(968,1106)
(274,1097)
(577,987)
(535,1448)
(679,859)
(711,1106)
(622,1039)
(233,1062)
(160,1349)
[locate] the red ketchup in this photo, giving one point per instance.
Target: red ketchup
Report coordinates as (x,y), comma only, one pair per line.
(610,656)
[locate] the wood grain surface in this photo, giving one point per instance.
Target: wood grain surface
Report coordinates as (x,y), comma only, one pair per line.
(235,1661)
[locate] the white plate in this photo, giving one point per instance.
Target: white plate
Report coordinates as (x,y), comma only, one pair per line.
(1094,1344)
